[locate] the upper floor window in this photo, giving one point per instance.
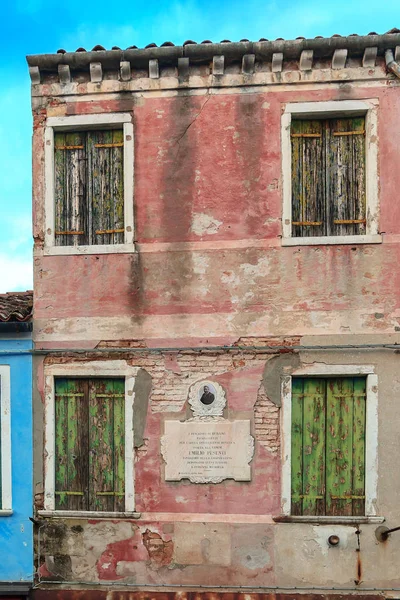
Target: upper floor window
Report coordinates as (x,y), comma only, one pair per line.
(89,184)
(329,169)
(89,188)
(328,177)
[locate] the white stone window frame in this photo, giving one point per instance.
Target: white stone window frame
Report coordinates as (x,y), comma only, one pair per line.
(371,439)
(86,123)
(332,109)
(87,370)
(5,412)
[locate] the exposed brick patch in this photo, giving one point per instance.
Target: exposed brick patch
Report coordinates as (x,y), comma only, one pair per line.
(172,376)
(170,388)
(160,551)
(266,422)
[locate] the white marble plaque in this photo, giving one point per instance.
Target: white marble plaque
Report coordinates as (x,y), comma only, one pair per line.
(207,451)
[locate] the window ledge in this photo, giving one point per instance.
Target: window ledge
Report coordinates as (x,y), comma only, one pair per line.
(6,512)
(95,249)
(337,520)
(333,240)
(88,514)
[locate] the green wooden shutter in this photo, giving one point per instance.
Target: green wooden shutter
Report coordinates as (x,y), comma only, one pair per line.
(345,151)
(328,446)
(107,444)
(106,187)
(307,178)
(308,446)
(71,444)
(345,480)
(297,447)
(71,210)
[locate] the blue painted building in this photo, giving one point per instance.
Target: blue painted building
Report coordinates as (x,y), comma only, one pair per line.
(16,534)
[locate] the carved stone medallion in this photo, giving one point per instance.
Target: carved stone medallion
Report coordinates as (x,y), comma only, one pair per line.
(207,399)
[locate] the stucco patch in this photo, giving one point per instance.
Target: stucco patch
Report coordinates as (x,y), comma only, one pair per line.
(201,543)
(205,224)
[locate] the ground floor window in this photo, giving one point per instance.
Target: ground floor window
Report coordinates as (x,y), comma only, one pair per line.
(90,444)
(328,452)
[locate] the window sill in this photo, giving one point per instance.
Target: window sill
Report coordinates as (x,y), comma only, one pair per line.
(88,514)
(334,520)
(332,240)
(6,512)
(98,249)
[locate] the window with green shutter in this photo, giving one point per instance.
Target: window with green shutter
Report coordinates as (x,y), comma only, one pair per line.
(90,444)
(328,177)
(328,446)
(89,187)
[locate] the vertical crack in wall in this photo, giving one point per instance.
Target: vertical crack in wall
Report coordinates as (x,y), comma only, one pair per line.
(358,579)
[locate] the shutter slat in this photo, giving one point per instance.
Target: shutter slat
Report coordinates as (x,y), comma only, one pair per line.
(101,445)
(359,422)
(59,188)
(70,189)
(307,180)
(119,444)
(314,416)
(61,453)
(117,185)
(106,431)
(107,197)
(339,446)
(297,447)
(71,444)
(346,191)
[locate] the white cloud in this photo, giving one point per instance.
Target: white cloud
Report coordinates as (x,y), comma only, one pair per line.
(15,274)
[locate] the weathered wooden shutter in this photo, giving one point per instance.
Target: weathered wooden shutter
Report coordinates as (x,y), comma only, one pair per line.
(345,446)
(90,444)
(107,444)
(71,210)
(71,444)
(345,148)
(106,187)
(328,177)
(328,446)
(308,446)
(308,204)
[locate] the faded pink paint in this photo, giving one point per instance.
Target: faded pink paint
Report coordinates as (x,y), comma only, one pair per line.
(219,156)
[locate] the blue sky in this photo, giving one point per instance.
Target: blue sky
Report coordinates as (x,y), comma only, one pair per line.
(44,26)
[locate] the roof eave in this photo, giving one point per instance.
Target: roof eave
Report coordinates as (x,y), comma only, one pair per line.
(322,47)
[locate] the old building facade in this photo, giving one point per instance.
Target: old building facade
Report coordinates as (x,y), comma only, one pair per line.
(216,317)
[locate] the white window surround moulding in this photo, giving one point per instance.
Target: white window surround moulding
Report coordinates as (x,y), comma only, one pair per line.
(86,123)
(334,108)
(371,434)
(5,410)
(91,369)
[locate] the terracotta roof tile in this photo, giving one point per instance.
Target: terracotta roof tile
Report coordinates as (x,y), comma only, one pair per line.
(16,306)
(98,47)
